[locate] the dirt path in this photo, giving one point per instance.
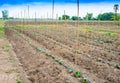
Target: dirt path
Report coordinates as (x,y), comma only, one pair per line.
(10,70)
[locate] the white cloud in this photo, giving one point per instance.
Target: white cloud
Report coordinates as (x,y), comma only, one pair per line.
(42,9)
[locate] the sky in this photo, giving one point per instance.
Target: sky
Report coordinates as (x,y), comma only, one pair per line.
(42,8)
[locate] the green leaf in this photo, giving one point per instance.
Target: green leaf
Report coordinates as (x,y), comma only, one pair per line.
(99,59)
(118,66)
(61,62)
(84,80)
(78,74)
(70,70)
(19,80)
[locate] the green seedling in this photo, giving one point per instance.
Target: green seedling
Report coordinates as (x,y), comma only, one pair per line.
(99,59)
(117,66)
(78,74)
(18,80)
(84,80)
(88,55)
(70,70)
(61,62)
(48,54)
(56,59)
(89,30)
(43,51)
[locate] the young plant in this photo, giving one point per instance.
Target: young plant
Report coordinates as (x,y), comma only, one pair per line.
(70,70)
(117,66)
(84,80)
(18,80)
(78,74)
(99,59)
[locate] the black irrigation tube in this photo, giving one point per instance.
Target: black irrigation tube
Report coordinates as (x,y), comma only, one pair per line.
(71,49)
(61,62)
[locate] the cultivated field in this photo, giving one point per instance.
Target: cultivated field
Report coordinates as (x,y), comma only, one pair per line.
(67,52)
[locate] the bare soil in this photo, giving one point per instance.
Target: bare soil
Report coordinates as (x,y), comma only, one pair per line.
(10,69)
(41,68)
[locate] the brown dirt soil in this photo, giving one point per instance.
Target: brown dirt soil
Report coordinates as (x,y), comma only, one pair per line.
(10,69)
(43,69)
(39,67)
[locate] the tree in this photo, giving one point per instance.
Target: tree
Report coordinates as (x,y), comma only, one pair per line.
(65,17)
(116,8)
(106,16)
(60,18)
(5,14)
(76,18)
(89,16)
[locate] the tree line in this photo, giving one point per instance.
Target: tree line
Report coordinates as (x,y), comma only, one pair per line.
(107,16)
(89,16)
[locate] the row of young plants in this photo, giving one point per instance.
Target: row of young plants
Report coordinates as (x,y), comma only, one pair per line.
(93,68)
(72,39)
(95,47)
(71,49)
(77,74)
(109,41)
(98,41)
(82,35)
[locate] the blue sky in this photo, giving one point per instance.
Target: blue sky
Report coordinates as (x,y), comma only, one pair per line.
(14,2)
(43,8)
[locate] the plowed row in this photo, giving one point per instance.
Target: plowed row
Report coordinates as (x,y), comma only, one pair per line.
(95,60)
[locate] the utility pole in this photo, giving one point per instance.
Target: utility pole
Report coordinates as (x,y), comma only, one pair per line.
(28,11)
(76,32)
(52,9)
(35,17)
(78,12)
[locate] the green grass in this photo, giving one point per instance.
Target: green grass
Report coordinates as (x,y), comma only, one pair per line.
(13,70)
(7,48)
(1,29)
(9,59)
(108,32)
(2,32)
(111,33)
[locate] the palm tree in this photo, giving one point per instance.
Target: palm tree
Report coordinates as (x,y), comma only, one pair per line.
(116,8)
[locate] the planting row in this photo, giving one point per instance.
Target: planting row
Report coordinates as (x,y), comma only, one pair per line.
(81,61)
